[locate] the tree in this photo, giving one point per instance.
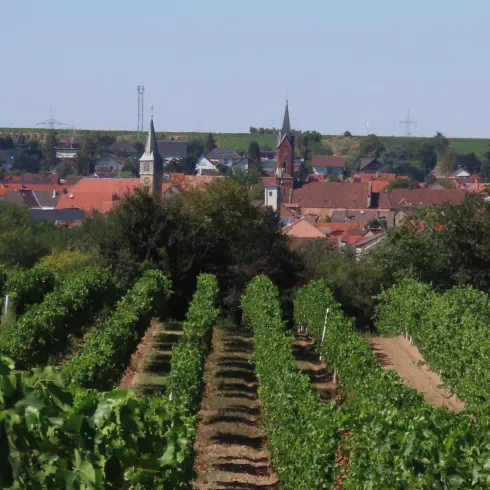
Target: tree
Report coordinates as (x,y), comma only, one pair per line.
(401,184)
(210,143)
(347,134)
(243,176)
(371,146)
(6,143)
(217,231)
(49,151)
(26,163)
(65,169)
(441,144)
(131,166)
(302,174)
(443,245)
(253,130)
(254,154)
(430,179)
(447,163)
(334,178)
(470,162)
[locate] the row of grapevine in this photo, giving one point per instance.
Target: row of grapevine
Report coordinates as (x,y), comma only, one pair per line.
(107,349)
(395,439)
(452,331)
(45,329)
(28,287)
(55,438)
(301,429)
(187,363)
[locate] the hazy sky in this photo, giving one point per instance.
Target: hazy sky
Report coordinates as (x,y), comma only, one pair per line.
(224,65)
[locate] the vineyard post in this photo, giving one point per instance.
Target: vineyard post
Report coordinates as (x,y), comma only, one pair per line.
(6,304)
(324,328)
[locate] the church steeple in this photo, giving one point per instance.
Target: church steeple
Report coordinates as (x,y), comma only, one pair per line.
(151,163)
(286,126)
(285,149)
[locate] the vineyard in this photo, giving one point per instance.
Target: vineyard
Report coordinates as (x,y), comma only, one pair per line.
(250,406)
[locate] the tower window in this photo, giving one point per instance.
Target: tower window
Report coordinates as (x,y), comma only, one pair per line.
(270,193)
(146,167)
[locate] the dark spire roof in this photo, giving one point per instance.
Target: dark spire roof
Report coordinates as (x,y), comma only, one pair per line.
(151,148)
(286,126)
(152,154)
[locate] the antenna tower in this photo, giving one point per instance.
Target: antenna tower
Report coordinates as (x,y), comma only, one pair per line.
(141,97)
(408,123)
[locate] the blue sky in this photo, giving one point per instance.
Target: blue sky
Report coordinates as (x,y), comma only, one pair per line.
(224,65)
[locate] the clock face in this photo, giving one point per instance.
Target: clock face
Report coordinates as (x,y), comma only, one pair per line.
(146,180)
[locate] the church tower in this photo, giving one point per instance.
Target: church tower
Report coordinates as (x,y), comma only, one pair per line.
(285,148)
(151,164)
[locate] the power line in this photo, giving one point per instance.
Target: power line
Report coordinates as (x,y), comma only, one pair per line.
(408,123)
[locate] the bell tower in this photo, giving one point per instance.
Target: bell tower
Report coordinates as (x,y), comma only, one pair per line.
(285,148)
(285,160)
(151,164)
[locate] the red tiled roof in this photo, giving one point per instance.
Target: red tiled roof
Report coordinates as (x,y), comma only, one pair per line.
(269,181)
(349,195)
(379,185)
(335,162)
(399,198)
(41,178)
(376,176)
(33,187)
(97,194)
(316,178)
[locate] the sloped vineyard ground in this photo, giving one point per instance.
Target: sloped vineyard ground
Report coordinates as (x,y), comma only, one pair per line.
(150,364)
(231,450)
(308,362)
(399,354)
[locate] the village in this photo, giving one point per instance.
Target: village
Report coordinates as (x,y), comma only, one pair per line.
(353,212)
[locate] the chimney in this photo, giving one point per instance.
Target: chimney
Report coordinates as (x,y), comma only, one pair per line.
(54,194)
(370,186)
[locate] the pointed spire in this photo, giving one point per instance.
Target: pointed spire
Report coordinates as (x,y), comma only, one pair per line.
(151,148)
(286,126)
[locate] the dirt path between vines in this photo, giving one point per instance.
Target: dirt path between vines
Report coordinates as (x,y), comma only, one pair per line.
(399,354)
(231,452)
(308,362)
(150,363)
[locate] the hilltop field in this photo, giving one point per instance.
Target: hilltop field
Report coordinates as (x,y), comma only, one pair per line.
(239,141)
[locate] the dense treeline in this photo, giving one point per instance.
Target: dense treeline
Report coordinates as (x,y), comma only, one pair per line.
(218,231)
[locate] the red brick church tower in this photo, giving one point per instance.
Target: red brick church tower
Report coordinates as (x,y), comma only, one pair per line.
(285,159)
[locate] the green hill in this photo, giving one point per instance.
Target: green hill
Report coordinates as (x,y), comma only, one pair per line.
(240,141)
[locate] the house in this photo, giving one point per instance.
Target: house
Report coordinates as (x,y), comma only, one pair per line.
(33,199)
(329,166)
(409,199)
(363,218)
(223,156)
(108,166)
(66,153)
(323,198)
(172,150)
(204,166)
(125,148)
(58,216)
(369,165)
(97,195)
